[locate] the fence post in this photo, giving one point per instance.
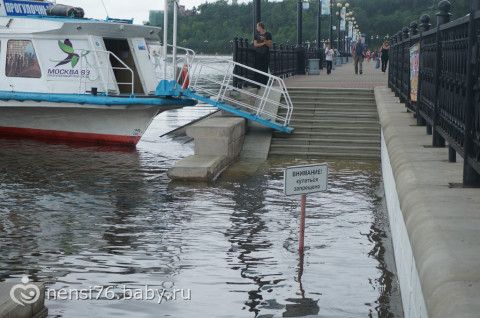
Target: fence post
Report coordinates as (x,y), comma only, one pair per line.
(273,59)
(443,16)
(392,62)
(293,59)
(235,59)
(300,51)
(398,79)
(280,51)
(425,26)
(400,65)
(414,28)
(243,44)
(471,177)
(404,92)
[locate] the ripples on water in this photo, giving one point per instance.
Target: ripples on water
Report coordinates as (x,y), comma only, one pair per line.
(76,217)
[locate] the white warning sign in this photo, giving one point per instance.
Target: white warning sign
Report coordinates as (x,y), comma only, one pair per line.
(306,179)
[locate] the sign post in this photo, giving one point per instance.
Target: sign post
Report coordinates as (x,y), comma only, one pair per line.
(301,236)
(302,180)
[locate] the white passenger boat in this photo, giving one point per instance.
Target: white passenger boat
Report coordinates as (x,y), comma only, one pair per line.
(64,77)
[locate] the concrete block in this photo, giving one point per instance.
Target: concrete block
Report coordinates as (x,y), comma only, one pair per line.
(218,147)
(218,127)
(218,142)
(200,168)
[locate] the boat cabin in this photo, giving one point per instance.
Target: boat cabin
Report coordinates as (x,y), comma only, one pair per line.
(52,54)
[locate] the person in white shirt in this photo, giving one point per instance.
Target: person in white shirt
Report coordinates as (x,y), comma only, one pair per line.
(329,53)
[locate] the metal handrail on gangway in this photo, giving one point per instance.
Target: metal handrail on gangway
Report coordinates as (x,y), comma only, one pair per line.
(212,81)
(105,73)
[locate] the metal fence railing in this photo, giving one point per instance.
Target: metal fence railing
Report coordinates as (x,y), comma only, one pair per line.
(284,60)
(447,98)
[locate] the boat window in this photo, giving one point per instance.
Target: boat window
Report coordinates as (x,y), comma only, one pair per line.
(22,60)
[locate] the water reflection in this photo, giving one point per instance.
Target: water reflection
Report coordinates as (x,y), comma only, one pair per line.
(301,306)
(82,216)
(246,236)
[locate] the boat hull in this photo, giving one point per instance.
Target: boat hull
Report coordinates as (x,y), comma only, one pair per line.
(116,125)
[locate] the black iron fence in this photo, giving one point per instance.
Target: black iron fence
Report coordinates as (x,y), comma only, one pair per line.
(447,98)
(285,60)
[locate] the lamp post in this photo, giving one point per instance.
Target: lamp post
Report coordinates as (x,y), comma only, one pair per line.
(299,49)
(257,15)
(348,36)
(338,28)
(319,30)
(331,23)
(299,22)
(339,7)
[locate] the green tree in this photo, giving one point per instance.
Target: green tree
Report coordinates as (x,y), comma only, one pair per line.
(212,26)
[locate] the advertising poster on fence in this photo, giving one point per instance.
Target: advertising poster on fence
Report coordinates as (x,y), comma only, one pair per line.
(326,7)
(414,67)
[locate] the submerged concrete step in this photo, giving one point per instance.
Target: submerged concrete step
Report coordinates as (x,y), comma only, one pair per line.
(332,112)
(339,107)
(333,115)
(330,90)
(331,123)
(330,96)
(343,99)
(365,156)
(337,128)
(374,142)
(332,108)
(337,131)
(327,148)
(320,122)
(330,135)
(330,104)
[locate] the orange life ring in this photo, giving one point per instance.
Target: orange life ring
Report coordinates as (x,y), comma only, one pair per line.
(185,77)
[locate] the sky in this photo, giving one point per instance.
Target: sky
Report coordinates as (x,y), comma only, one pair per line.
(137,9)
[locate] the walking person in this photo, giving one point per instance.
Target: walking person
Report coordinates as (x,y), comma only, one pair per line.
(385,55)
(358,55)
(329,53)
(377,57)
(262,44)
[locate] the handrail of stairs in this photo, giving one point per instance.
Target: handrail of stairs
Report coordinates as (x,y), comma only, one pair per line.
(215,77)
(212,80)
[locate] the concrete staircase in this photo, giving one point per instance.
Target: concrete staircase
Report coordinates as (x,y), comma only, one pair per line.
(341,123)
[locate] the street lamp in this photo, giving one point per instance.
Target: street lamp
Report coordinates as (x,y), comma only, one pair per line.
(338,12)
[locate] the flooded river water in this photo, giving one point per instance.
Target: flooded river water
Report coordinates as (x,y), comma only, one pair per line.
(76,217)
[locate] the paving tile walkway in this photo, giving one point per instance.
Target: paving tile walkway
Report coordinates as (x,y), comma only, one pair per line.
(342,77)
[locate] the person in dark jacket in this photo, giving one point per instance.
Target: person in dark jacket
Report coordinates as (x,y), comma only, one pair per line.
(329,56)
(385,55)
(358,55)
(262,44)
